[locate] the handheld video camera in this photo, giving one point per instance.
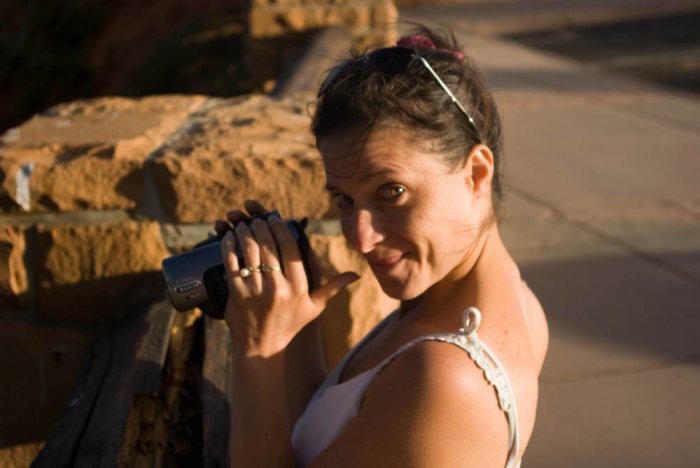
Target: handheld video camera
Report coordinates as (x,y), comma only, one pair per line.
(197,278)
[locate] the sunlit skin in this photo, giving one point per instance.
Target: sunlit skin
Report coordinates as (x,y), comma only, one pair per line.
(427,232)
(417,221)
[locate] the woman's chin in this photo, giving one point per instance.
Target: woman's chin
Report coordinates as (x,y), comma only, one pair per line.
(401,291)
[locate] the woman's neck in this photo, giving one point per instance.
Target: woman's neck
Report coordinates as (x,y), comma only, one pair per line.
(459,288)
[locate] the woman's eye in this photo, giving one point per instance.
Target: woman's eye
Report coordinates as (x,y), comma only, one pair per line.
(392,192)
(341,200)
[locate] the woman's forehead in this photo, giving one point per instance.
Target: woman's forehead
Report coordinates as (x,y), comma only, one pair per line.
(381,158)
(365,152)
(348,157)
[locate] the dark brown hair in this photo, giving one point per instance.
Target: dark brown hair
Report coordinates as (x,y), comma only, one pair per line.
(360,97)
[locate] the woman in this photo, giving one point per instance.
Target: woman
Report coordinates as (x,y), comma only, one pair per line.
(410,140)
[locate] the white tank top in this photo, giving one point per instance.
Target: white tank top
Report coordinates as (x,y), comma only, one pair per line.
(335,404)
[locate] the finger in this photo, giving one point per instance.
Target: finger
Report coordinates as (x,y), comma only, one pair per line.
(221,227)
(251,256)
(269,254)
(289,254)
(230,260)
(254,207)
(329,290)
(236,216)
(315,265)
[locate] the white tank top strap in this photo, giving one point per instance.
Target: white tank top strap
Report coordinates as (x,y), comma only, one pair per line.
(494,372)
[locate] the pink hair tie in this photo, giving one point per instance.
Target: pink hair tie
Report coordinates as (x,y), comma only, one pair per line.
(417,41)
(460,56)
(421,42)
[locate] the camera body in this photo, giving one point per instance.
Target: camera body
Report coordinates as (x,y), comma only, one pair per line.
(197,278)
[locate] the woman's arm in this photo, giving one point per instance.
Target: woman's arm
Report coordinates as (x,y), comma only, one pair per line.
(266,313)
(304,370)
(259,429)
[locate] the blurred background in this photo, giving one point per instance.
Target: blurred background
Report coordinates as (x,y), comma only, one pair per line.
(602,125)
(52,52)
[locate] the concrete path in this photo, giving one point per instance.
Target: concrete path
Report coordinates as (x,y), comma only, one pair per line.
(603,215)
(519,16)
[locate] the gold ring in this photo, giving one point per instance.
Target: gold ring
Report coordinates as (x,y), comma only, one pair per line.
(264,268)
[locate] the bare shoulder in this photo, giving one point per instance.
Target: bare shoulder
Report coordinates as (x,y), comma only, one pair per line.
(431,406)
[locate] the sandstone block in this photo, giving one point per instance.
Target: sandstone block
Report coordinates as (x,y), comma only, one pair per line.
(354,17)
(84,271)
(40,364)
(277,20)
(124,122)
(354,311)
(297,18)
(253,147)
(60,178)
(384,20)
(86,154)
(272,19)
(357,16)
(264,23)
(20,455)
(14,284)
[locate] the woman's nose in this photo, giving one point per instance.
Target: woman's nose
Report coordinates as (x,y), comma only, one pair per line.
(361,231)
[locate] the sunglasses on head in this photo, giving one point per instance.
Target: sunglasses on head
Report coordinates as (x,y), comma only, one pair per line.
(394,60)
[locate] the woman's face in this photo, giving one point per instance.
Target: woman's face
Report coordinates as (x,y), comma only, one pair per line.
(413,218)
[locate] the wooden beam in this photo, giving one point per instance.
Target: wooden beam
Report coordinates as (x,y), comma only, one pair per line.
(215,392)
(125,360)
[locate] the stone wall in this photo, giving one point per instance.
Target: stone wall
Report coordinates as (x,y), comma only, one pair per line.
(371,21)
(276,29)
(94,194)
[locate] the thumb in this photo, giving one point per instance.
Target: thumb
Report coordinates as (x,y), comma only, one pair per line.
(328,291)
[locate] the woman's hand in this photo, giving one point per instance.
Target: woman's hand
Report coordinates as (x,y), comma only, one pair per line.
(268,307)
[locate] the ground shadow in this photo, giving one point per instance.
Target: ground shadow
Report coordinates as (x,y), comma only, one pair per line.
(623,302)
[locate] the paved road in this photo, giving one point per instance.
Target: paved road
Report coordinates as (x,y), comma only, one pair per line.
(603,214)
(521,16)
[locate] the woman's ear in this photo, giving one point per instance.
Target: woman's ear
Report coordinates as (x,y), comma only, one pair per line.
(479,169)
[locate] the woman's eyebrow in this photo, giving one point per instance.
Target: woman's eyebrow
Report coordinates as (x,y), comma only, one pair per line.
(370,175)
(364,178)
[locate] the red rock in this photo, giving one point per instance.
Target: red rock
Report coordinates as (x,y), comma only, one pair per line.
(87,154)
(253,147)
(375,18)
(84,271)
(14,285)
(20,455)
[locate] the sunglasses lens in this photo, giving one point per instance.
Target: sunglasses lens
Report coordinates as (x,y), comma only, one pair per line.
(392,60)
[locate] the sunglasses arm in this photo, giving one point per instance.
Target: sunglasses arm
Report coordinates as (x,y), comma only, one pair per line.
(449,93)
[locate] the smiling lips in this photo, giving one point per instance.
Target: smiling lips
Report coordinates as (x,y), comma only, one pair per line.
(386,262)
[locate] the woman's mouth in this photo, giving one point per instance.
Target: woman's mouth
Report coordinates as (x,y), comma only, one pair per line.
(384,263)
